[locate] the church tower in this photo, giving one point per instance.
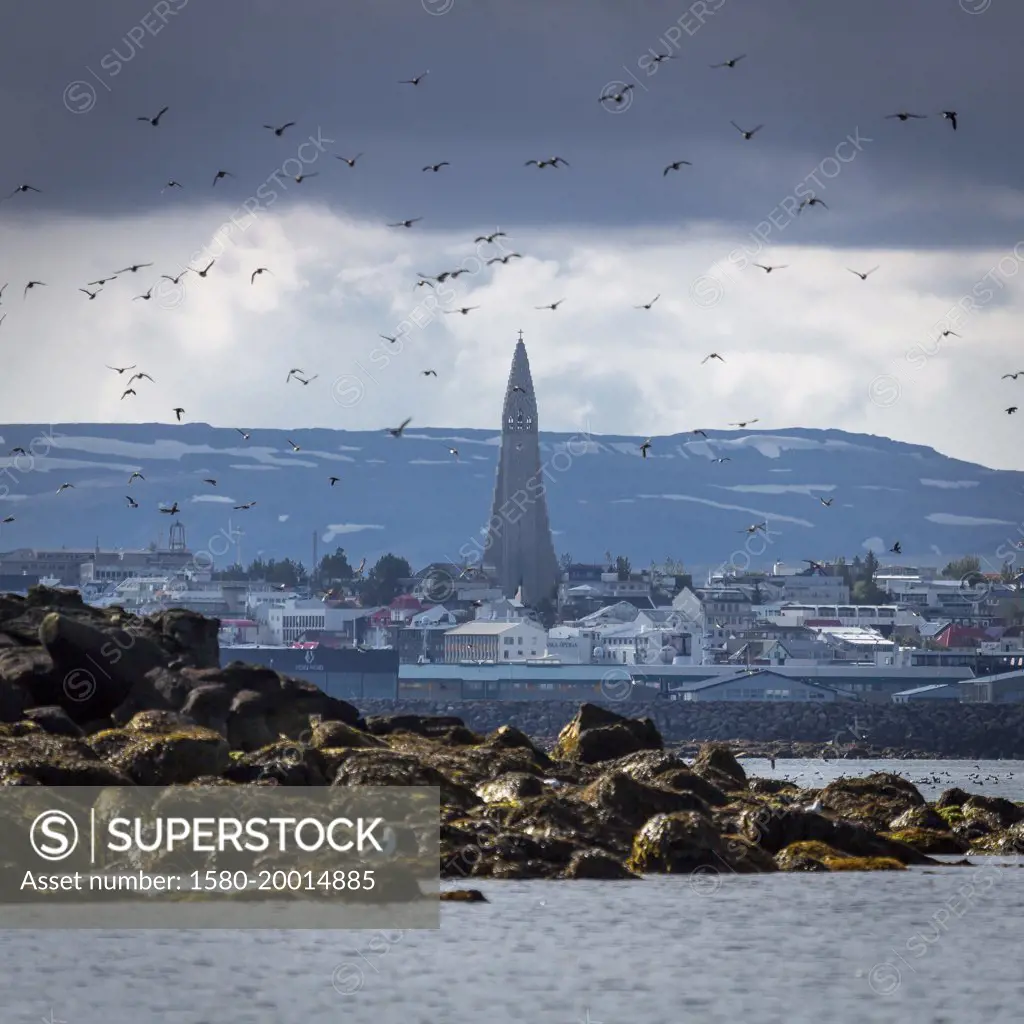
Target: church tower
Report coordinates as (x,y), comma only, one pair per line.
(519,534)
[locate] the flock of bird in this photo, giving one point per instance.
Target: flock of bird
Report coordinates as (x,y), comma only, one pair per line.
(615,98)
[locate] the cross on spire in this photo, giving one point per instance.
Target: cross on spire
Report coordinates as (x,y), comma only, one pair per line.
(520,335)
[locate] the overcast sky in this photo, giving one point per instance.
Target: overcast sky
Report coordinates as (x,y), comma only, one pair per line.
(939,212)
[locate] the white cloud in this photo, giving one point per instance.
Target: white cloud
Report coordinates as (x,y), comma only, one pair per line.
(216,498)
(809,346)
(950,485)
(947,519)
(337,529)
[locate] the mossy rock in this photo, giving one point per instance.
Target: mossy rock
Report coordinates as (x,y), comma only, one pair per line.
(463,896)
(675,844)
(637,802)
(165,759)
(930,841)
(716,763)
(596,734)
(595,865)
(816,856)
(510,788)
(336,735)
(1004,812)
(54,760)
(875,800)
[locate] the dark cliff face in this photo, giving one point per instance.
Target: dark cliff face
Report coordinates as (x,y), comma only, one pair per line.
(939,728)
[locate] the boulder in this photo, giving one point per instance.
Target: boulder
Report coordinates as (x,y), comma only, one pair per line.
(508,737)
(636,802)
(286,763)
(463,896)
(163,759)
(512,786)
(247,728)
(29,753)
(337,735)
(393,768)
(954,797)
(1006,843)
(676,844)
(874,800)
(816,856)
(597,734)
(716,763)
(54,720)
(929,841)
(919,817)
(208,706)
(594,865)
(1005,812)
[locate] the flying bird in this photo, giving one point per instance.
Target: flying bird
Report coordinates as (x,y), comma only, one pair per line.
(134,268)
(179,412)
(725,459)
(946,334)
(647,305)
(210,481)
(387,337)
(744,423)
(171,184)
(617,97)
(729,63)
(659,57)
(454,451)
(7,519)
(64,487)
(713,355)
(863,276)
(92,295)
(768,268)
(903,116)
(498,259)
(135,476)
(121,369)
(3,318)
(279,131)
(294,373)
(245,436)
(174,280)
(306,380)
(1011,410)
(127,392)
(221,174)
(747,135)
(645,448)
(400,429)
(146,295)
(753,528)
(950,116)
(300,178)
(1012,376)
(429,373)
(827,502)
(154,121)
(405,223)
(490,238)
(295,447)
(2,291)
(22,188)
(555,161)
(172,511)
(258,270)
(553,305)
(132,503)
(702,434)
(896,549)
(333,479)
(141,376)
(205,270)
(416,80)
(17,451)
(89,284)
(517,387)
(462,309)
(249,504)
(812,201)
(32,284)
(436,167)
(675,166)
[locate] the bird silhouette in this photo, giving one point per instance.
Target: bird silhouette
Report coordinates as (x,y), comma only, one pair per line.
(205,270)
(724,459)
(552,305)
(436,167)
(154,121)
(702,433)
(141,376)
(713,355)
(146,295)
(221,174)
(729,63)
(7,519)
(21,188)
(298,372)
(121,369)
(903,116)
(4,286)
(946,334)
(747,135)
(279,131)
(171,184)
(950,116)
(295,447)
(135,476)
(659,57)
(896,549)
(647,305)
(811,201)
(499,259)
(101,282)
(454,451)
(64,487)
(85,291)
(616,97)
(827,502)
(387,337)
(132,503)
(127,392)
(174,280)
(306,380)
(462,309)
(1012,376)
(400,429)
(554,161)
(333,480)
(32,284)
(744,423)
(405,223)
(675,166)
(416,80)
(239,508)
(645,448)
(429,373)
(490,238)
(134,268)
(172,511)
(258,270)
(245,436)
(179,412)
(1011,410)
(300,178)
(863,276)
(350,160)
(768,268)
(210,481)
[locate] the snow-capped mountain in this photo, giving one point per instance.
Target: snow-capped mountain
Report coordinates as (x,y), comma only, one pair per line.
(411,497)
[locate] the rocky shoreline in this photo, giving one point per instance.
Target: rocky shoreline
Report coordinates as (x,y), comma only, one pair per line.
(94,697)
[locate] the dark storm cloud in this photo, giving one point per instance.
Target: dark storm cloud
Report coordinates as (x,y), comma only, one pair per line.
(509,82)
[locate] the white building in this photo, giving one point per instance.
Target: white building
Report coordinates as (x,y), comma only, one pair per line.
(287,622)
(495,641)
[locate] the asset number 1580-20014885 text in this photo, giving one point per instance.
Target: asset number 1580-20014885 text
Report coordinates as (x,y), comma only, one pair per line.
(278,881)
